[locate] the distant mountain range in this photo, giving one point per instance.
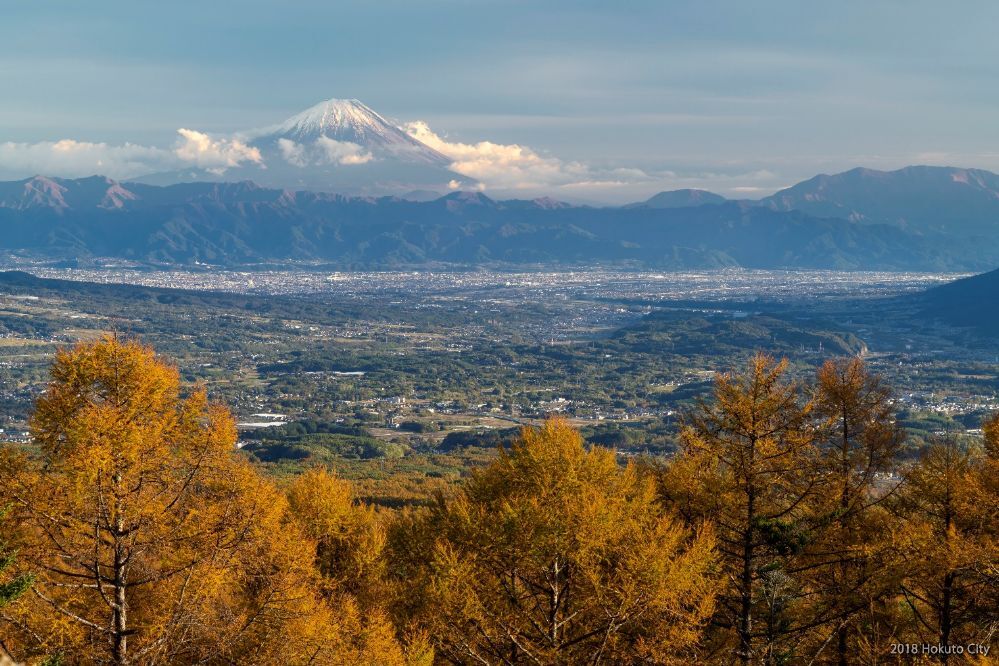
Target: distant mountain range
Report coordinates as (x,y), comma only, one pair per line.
(922,198)
(916,218)
(240,223)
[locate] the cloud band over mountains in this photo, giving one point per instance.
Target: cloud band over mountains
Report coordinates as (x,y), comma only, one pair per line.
(324,151)
(517,167)
(496,167)
(71,159)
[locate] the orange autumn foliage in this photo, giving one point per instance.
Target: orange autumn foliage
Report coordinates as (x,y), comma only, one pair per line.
(555,554)
(786,529)
(151,542)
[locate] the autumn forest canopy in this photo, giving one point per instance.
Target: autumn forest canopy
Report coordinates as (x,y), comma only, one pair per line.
(787,528)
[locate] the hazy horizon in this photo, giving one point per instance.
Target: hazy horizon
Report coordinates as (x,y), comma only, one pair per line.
(573,100)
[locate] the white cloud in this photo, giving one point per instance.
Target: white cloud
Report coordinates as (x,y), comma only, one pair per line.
(512,168)
(201,150)
(324,151)
(72,159)
(342,152)
(517,167)
(502,166)
(293,153)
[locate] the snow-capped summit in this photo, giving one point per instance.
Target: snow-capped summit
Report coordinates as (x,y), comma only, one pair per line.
(350,121)
(335,118)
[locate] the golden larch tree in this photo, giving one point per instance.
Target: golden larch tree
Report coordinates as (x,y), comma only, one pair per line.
(851,563)
(150,541)
(948,599)
(556,554)
(749,465)
(350,537)
(984,497)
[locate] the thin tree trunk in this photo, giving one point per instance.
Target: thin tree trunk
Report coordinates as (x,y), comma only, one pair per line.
(843,632)
(120,608)
(746,583)
(946,622)
(948,581)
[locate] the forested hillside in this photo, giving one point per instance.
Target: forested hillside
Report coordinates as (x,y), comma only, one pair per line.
(786,529)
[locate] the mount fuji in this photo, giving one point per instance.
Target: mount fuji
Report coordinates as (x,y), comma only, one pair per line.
(339,145)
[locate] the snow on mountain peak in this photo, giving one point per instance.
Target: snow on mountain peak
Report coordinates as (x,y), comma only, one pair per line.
(334,118)
(348,121)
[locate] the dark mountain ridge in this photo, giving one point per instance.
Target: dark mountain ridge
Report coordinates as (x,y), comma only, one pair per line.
(971,302)
(234,223)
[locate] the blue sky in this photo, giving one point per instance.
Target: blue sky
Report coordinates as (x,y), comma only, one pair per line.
(735,96)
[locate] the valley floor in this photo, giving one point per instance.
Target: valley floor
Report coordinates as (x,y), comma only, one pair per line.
(405,381)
